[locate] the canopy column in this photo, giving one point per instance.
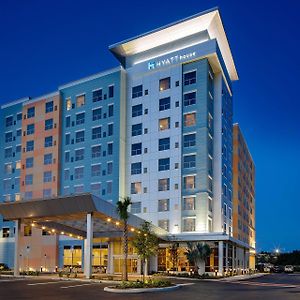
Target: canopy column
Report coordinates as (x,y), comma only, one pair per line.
(88,246)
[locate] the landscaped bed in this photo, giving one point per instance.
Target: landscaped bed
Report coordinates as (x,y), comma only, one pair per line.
(152,285)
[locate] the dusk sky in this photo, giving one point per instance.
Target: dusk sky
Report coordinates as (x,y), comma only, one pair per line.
(45,44)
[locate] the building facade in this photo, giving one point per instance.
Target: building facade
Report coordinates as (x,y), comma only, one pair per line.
(158,128)
(244,192)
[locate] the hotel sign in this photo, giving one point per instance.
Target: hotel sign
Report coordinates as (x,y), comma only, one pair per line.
(152,65)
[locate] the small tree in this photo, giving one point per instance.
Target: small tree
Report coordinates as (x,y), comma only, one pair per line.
(146,245)
(122,209)
(197,254)
(173,250)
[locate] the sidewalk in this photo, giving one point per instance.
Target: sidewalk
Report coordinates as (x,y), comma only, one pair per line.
(242,277)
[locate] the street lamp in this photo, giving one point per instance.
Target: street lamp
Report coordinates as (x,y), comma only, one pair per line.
(45,256)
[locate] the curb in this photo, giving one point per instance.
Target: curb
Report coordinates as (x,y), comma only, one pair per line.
(243,277)
(140,290)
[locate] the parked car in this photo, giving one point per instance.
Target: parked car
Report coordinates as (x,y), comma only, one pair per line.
(278,269)
(288,269)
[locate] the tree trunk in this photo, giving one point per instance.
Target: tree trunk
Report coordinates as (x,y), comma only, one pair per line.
(143,268)
(201,266)
(125,248)
(146,267)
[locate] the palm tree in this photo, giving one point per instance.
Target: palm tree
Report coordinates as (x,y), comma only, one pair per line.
(191,254)
(122,209)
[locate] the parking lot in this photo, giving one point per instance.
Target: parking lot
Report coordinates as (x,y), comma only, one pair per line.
(274,286)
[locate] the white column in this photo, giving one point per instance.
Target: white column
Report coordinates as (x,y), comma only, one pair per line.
(110,261)
(221,256)
(233,258)
(17,248)
(226,257)
(88,246)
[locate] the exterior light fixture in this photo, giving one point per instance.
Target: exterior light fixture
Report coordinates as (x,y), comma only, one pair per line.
(117,223)
(108,219)
(43,227)
(53,230)
(62,232)
(132,229)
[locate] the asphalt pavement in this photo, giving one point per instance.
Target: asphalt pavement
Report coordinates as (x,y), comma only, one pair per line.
(273,286)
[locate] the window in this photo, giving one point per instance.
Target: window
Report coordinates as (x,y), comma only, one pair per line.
(8,137)
(164,164)
(97,114)
(137,110)
(164,124)
(163,205)
(136,149)
(48,124)
(110,110)
(96,188)
(164,224)
(189,99)
(48,159)
(47,193)
(79,137)
(189,78)
(78,189)
(5,232)
(164,103)
(79,172)
(189,203)
(66,174)
(68,121)
(68,138)
(110,148)
(136,207)
(19,132)
(28,179)
(67,156)
(27,230)
(80,100)
(164,84)
(136,168)
(49,106)
(189,224)
(163,184)
(48,141)
(9,121)
(109,168)
(68,104)
(97,95)
(189,161)
(30,129)
(110,129)
(18,197)
(19,116)
(137,129)
(30,112)
(96,151)
(8,168)
(111,91)
(80,118)
(6,184)
(189,182)
(190,119)
(18,165)
(137,91)
(79,154)
(189,140)
(96,170)
(96,132)
(136,188)
(48,176)
(29,146)
(29,162)
(109,187)
(8,152)
(18,148)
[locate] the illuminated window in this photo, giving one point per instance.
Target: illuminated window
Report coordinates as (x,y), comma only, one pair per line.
(164,224)
(189,182)
(80,101)
(189,224)
(68,104)
(189,203)
(8,168)
(136,188)
(27,230)
(164,84)
(163,205)
(17,197)
(164,124)
(18,165)
(5,232)
(190,119)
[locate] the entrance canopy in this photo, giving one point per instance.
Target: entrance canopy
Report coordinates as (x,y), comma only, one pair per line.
(66,215)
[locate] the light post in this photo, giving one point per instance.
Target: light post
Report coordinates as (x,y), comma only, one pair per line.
(72,251)
(28,250)
(45,256)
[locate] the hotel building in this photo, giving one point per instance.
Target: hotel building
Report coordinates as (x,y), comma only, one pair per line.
(158,128)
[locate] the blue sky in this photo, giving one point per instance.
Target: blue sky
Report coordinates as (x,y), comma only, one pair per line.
(44,44)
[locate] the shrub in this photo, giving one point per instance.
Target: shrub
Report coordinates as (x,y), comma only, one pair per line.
(151,283)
